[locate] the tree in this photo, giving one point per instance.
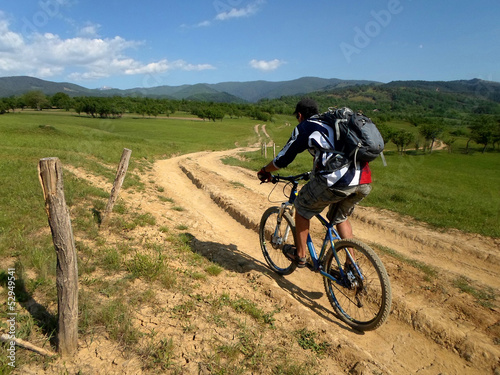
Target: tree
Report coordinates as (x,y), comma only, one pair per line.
(483,131)
(4,107)
(449,141)
(430,132)
(415,121)
(402,138)
(61,100)
(11,103)
(496,134)
(386,131)
(36,100)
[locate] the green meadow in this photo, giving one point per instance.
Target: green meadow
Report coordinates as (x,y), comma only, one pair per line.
(444,189)
(447,190)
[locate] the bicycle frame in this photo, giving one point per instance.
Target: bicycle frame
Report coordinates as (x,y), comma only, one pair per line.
(330,236)
(362,300)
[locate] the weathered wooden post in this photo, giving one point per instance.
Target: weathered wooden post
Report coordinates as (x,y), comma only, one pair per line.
(50,174)
(117,185)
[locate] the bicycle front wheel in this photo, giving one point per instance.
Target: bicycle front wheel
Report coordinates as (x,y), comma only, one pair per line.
(361,299)
(274,233)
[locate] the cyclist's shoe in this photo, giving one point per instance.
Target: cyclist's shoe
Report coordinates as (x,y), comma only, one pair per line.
(290,252)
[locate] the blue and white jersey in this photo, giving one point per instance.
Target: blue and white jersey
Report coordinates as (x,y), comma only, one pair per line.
(319,140)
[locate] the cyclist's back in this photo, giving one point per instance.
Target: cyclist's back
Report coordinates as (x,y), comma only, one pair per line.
(318,139)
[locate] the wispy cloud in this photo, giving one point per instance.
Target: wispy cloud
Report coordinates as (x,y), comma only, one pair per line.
(246,11)
(266,66)
(165,65)
(89,30)
(226,12)
(85,57)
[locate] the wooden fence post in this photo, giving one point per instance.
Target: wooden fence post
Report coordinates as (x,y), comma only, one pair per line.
(50,175)
(117,185)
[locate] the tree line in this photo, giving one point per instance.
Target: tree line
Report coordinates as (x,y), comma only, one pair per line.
(435,115)
(115,107)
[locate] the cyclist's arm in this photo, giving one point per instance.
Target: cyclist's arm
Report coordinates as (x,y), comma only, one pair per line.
(297,143)
(270,167)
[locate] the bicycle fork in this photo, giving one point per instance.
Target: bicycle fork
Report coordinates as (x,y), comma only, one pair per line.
(278,240)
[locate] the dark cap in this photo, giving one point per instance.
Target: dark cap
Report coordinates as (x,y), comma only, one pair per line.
(307,107)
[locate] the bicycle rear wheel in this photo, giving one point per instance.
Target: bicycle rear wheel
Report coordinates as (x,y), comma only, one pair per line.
(363,301)
(273,235)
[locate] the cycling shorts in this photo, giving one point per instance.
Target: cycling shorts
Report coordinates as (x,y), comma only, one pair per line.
(315,196)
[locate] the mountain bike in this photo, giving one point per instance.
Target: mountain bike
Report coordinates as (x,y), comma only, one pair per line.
(355,280)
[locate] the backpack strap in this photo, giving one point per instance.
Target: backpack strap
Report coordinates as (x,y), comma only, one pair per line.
(338,130)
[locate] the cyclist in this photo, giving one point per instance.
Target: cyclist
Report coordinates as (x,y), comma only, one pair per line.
(335,181)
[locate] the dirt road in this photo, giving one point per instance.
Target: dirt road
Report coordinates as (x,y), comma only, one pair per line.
(434,328)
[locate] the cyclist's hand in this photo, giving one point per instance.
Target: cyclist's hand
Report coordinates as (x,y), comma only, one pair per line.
(264,176)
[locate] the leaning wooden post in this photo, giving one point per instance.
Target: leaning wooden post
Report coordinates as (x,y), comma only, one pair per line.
(51,179)
(117,185)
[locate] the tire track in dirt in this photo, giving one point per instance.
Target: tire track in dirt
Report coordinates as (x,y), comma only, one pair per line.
(425,333)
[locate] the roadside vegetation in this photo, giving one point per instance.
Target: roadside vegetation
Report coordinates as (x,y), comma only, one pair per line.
(446,175)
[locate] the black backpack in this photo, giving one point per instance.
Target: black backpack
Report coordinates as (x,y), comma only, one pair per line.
(356,134)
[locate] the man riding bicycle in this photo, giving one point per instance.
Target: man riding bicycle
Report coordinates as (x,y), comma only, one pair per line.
(335,181)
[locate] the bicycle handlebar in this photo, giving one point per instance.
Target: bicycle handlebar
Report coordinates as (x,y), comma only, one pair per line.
(294,179)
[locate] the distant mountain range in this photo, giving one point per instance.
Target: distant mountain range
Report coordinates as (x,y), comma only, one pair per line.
(251,91)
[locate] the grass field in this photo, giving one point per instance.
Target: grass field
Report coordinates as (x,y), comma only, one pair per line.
(28,136)
(443,189)
(446,190)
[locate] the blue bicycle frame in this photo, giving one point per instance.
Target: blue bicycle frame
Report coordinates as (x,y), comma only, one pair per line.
(330,236)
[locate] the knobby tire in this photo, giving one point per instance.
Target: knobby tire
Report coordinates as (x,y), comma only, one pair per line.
(285,232)
(372,290)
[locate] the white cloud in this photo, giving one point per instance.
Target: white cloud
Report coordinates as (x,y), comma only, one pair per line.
(247,11)
(90,31)
(164,65)
(204,24)
(226,12)
(80,58)
(266,66)
(9,41)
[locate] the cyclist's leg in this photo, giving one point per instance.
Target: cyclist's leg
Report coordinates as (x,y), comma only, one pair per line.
(343,207)
(312,199)
(302,227)
(345,229)
(339,212)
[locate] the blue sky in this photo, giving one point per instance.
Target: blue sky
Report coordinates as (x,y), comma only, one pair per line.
(125,44)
